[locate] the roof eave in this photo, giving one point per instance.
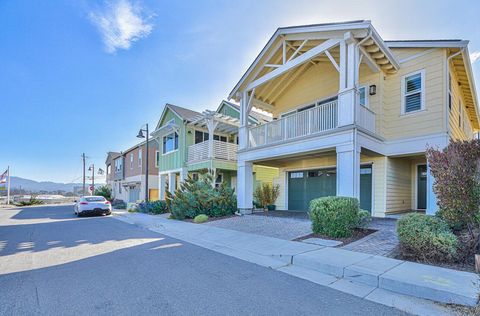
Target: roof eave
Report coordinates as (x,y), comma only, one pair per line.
(426,44)
(471,79)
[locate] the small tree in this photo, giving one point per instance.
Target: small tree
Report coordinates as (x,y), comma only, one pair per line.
(266,194)
(104,191)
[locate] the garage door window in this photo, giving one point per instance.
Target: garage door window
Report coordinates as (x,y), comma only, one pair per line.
(296,175)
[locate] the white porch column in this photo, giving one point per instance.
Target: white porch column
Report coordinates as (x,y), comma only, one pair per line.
(432,206)
(162,186)
(243,129)
(348,171)
(183,174)
(347,98)
(172,182)
(245,187)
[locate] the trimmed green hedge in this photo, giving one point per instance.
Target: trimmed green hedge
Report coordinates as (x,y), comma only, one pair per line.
(336,216)
(201,218)
(426,238)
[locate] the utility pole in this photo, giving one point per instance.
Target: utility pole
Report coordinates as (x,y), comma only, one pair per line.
(93,178)
(8,186)
(147,194)
(83,189)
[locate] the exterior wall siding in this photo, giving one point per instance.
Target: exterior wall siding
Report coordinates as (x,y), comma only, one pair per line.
(458,130)
(173,160)
(398,185)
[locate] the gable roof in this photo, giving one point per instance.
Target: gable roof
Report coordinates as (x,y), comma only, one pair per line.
(112,155)
(359,28)
(181,112)
(259,117)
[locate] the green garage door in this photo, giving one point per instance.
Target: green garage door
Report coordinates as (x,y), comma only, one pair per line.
(304,186)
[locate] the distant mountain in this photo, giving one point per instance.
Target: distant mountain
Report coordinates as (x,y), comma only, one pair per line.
(35,186)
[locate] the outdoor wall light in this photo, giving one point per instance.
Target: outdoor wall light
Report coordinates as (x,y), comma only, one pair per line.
(372,89)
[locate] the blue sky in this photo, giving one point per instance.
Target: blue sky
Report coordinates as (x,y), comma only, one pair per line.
(83,76)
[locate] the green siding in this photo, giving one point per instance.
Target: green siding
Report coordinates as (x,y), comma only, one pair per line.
(230,111)
(176,159)
(225,165)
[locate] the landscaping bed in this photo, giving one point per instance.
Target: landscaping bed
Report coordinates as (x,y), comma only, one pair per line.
(460,266)
(211,219)
(357,234)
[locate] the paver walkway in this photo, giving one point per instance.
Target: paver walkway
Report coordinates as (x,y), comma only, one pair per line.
(382,243)
(292,225)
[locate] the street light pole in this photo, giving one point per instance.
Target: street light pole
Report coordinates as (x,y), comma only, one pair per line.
(140,135)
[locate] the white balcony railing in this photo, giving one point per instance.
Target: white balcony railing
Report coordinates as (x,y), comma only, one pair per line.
(315,120)
(366,118)
(221,150)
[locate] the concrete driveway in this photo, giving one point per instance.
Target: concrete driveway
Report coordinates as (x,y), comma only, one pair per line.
(52,263)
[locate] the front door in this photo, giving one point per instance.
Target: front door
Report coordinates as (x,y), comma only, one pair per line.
(304,186)
(366,188)
(421,187)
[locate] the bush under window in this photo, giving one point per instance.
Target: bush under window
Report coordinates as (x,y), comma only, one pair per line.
(426,238)
(337,216)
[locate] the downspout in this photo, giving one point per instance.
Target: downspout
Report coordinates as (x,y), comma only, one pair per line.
(447,75)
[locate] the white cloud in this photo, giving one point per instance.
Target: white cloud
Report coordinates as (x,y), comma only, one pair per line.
(120,24)
(475,56)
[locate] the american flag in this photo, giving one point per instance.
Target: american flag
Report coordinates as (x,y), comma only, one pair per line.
(3,177)
(3,180)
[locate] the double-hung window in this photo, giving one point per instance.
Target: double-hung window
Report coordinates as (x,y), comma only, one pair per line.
(413,92)
(131,161)
(170,142)
(157,158)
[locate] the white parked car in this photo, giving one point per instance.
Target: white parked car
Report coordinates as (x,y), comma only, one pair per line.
(92,205)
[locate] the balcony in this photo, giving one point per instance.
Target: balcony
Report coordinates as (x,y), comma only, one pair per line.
(220,150)
(322,118)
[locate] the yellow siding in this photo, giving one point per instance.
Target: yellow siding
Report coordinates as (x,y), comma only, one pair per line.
(464,130)
(429,121)
(399,185)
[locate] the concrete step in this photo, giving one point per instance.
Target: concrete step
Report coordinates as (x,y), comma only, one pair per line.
(434,283)
(328,260)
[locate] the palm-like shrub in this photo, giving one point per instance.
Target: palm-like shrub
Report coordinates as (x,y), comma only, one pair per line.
(200,196)
(266,194)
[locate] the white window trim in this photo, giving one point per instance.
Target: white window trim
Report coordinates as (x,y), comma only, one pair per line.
(140,157)
(422,92)
(367,93)
(157,158)
(174,150)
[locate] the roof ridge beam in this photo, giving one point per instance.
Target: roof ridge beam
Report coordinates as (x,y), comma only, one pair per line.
(317,50)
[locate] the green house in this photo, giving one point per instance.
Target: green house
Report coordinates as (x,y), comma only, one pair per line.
(187,147)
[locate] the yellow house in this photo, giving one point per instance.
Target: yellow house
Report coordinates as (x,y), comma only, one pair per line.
(353,115)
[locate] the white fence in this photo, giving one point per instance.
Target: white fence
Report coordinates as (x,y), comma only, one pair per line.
(318,119)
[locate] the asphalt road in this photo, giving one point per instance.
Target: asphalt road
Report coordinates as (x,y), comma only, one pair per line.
(53,263)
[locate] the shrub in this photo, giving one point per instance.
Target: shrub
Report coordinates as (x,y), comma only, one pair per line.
(335,216)
(32,201)
(364,219)
(200,218)
(119,204)
(132,207)
(266,194)
(426,238)
(202,197)
(104,191)
(456,185)
(153,207)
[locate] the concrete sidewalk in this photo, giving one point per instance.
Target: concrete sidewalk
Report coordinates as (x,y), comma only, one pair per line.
(408,286)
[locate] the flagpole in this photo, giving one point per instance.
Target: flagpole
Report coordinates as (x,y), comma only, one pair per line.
(8,186)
